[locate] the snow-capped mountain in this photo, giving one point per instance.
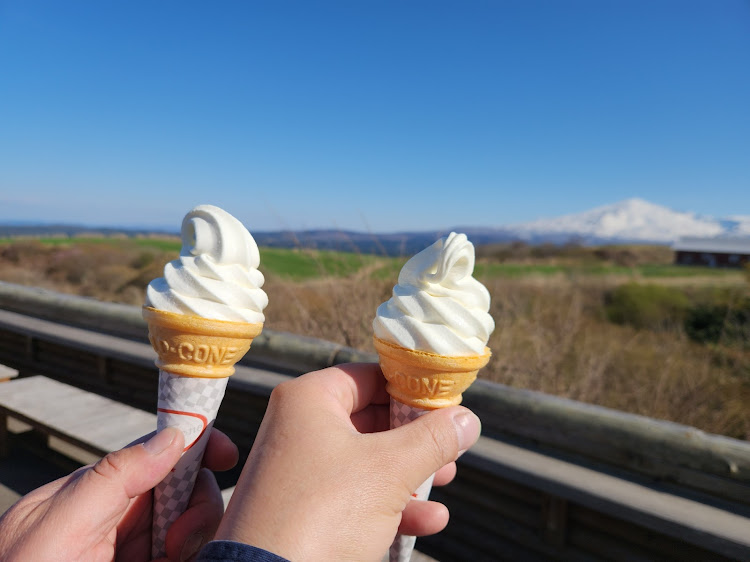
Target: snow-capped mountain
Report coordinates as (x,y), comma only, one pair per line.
(631,220)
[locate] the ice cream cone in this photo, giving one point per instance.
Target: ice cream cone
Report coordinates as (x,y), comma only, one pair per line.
(427,380)
(417,383)
(192,346)
(195,358)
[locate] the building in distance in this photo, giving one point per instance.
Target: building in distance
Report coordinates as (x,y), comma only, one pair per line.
(712,252)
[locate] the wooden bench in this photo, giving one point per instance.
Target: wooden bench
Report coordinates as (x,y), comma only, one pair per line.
(83,419)
(7,373)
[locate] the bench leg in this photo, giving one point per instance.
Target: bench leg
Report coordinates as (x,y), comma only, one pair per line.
(554,520)
(4,436)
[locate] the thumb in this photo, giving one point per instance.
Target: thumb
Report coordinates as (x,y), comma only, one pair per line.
(106,488)
(432,441)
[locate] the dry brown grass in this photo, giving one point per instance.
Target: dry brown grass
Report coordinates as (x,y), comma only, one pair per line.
(551,336)
(334,309)
(109,272)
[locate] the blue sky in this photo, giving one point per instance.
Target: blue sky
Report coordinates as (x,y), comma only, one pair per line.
(365,115)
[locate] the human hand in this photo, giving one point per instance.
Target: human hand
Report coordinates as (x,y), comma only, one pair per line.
(103,511)
(325,481)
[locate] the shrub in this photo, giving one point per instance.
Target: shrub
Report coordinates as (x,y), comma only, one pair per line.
(143,259)
(705,323)
(647,306)
(24,252)
(724,323)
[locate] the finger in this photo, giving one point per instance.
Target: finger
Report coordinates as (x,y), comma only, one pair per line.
(198,524)
(102,493)
(421,518)
(431,441)
(445,475)
(354,386)
(221,452)
(134,529)
(374,418)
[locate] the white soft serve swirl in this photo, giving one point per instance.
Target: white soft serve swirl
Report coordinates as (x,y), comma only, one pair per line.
(437,306)
(216,275)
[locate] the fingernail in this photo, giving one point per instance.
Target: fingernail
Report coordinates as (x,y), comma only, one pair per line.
(191,547)
(160,441)
(468,428)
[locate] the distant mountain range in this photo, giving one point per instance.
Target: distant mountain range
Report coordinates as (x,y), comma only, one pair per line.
(629,221)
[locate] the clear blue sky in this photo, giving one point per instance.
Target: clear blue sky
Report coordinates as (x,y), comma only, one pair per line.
(365,115)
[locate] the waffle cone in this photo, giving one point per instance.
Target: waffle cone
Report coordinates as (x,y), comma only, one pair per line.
(192,346)
(427,380)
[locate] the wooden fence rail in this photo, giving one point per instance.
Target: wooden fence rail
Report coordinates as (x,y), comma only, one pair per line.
(551,479)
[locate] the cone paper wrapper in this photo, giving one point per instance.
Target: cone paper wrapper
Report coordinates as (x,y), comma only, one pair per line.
(190,404)
(403,545)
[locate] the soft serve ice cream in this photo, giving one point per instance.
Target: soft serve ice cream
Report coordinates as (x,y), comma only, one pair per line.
(431,335)
(202,317)
(437,306)
(216,275)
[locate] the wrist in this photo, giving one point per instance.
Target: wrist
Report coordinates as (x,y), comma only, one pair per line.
(259,534)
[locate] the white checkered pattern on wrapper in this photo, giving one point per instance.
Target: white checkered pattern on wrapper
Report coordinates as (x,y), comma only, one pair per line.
(193,394)
(179,397)
(403,545)
(171,497)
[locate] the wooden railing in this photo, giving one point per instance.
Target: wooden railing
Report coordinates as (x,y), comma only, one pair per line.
(550,478)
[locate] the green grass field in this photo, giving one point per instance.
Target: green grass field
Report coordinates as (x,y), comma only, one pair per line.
(303,264)
(492,270)
(161,244)
(309,264)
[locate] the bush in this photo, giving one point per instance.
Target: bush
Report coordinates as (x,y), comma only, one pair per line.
(143,260)
(705,323)
(724,323)
(24,252)
(647,306)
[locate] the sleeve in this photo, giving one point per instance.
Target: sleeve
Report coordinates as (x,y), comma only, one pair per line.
(230,551)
